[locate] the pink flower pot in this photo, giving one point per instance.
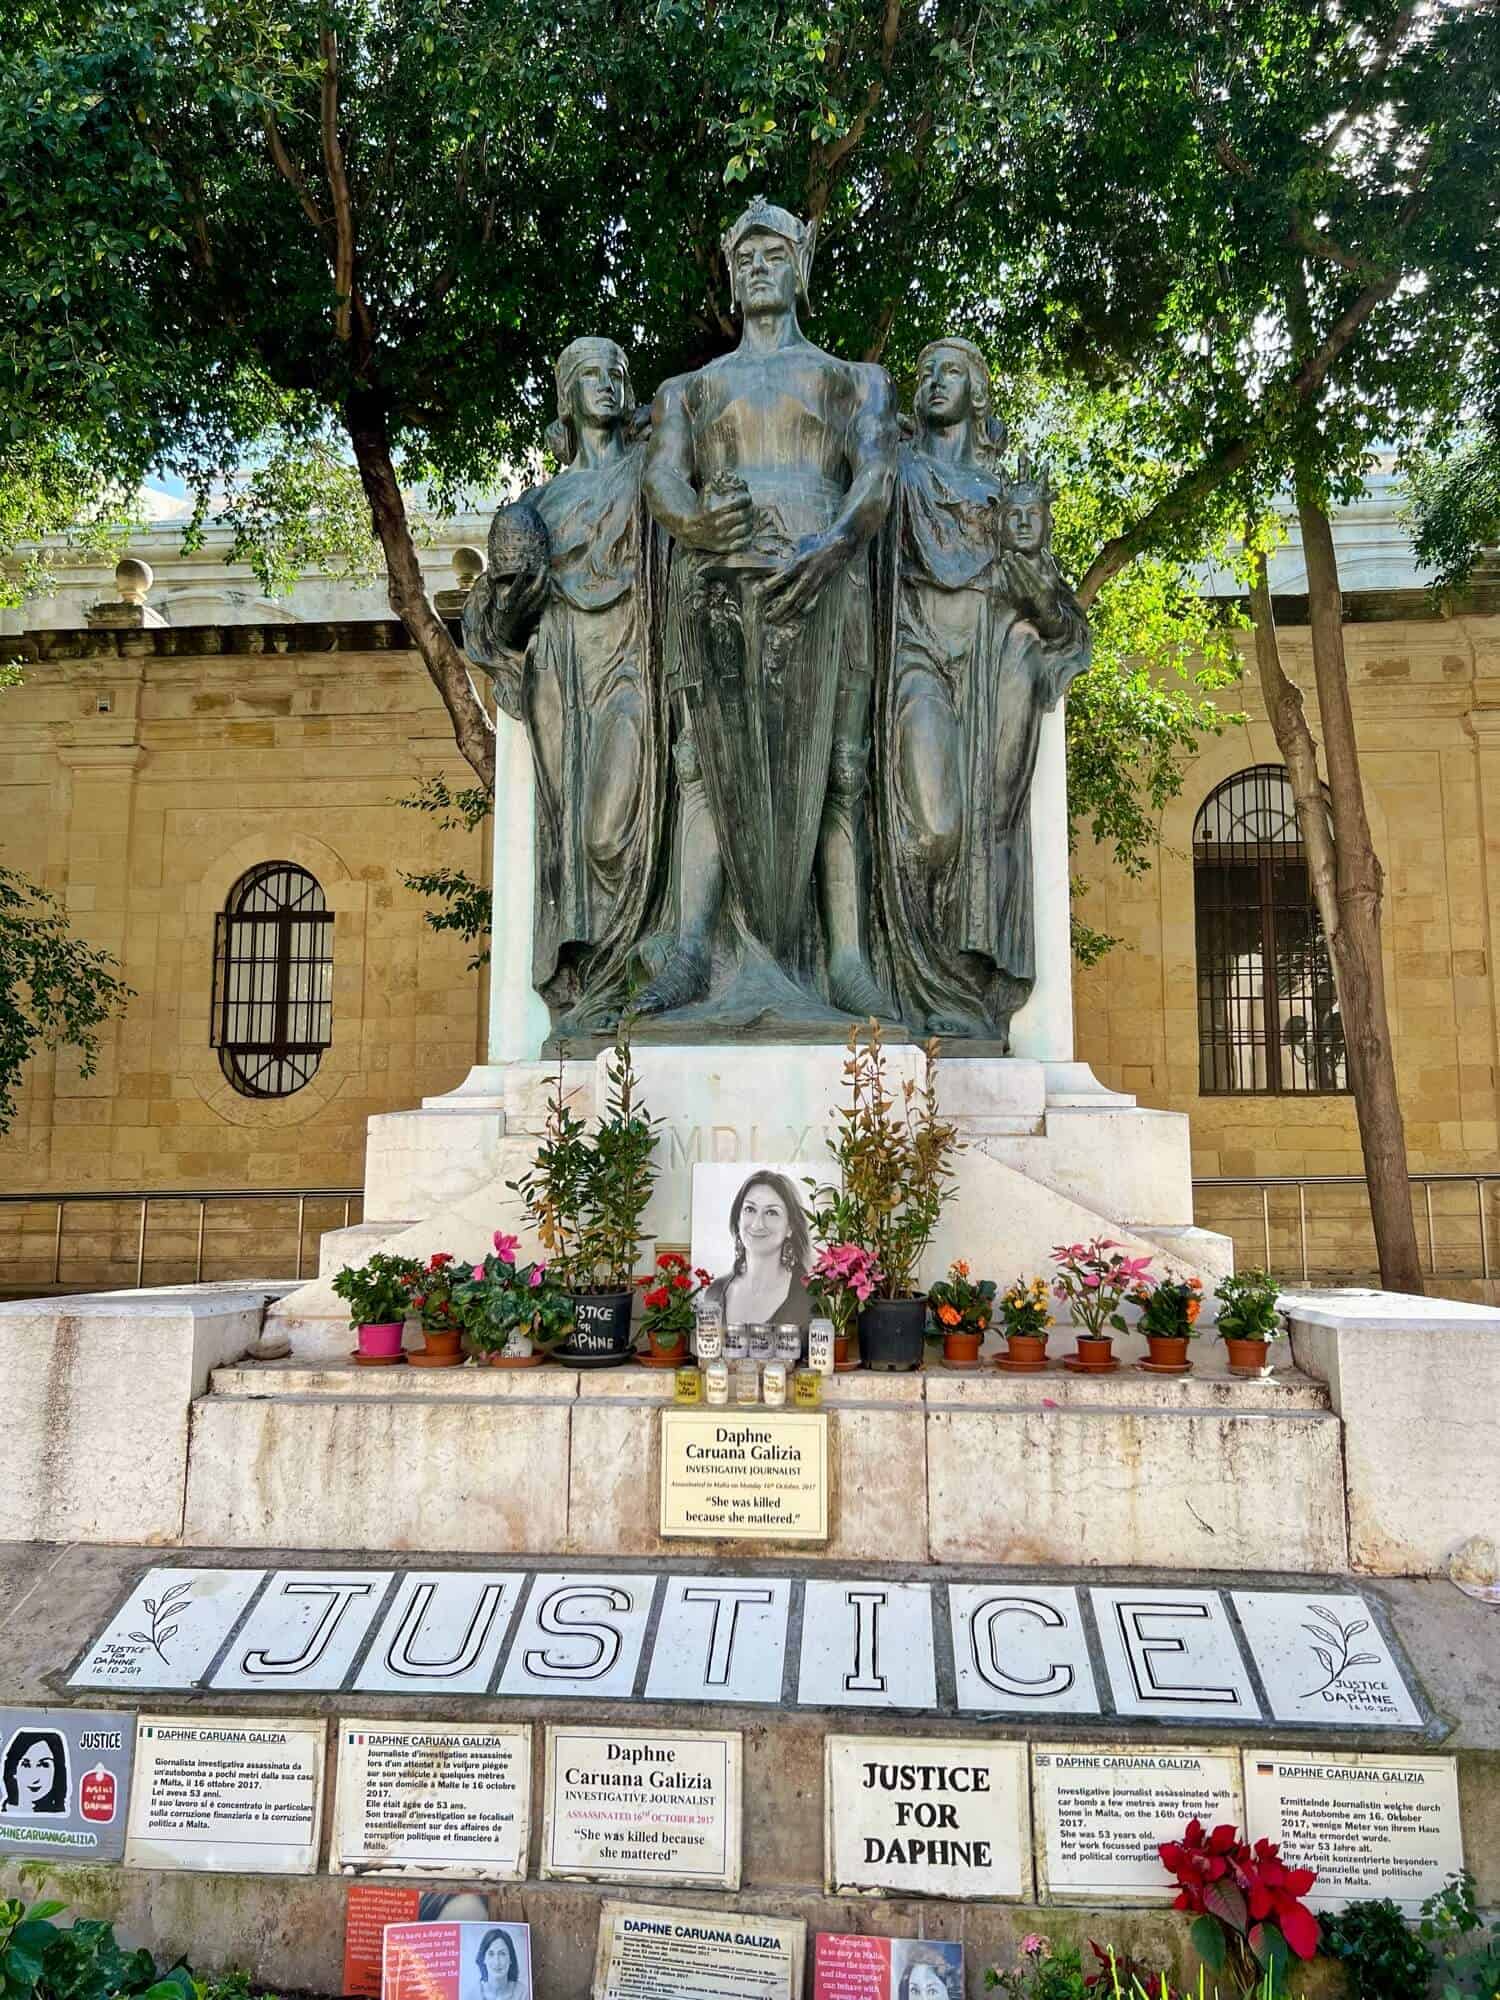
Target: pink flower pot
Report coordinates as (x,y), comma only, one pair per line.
(381,1343)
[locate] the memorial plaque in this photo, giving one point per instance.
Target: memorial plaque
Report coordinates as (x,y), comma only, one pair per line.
(461,1961)
(443,1634)
(1020,1650)
(652,1952)
(635,1806)
(227,1794)
(580,1635)
(1173,1653)
(847,1967)
(169,1629)
(927,1816)
(372,1905)
(439,1799)
(1323,1659)
(305,1629)
(1101,1814)
(760,1475)
(867,1645)
(64,1783)
(1371,1826)
(720,1638)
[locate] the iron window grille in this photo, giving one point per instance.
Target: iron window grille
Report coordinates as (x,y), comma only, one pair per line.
(1268,1013)
(273,980)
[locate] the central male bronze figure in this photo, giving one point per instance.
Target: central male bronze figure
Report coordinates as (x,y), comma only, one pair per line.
(771,468)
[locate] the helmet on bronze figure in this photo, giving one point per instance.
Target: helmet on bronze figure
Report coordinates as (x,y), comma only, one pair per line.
(766,218)
(518,541)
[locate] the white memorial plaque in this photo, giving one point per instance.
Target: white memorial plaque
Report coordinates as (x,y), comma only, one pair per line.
(927,1816)
(166,1633)
(1101,1814)
(720,1638)
(633,1806)
(433,1799)
(580,1635)
(1173,1653)
(1371,1826)
(443,1634)
(305,1631)
(226,1793)
(1021,1649)
(669,1953)
(867,1645)
(1322,1658)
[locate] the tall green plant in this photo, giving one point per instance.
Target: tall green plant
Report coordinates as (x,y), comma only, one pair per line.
(894,1152)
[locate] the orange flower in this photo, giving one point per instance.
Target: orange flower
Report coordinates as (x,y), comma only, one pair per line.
(1194,1307)
(960,1269)
(949,1315)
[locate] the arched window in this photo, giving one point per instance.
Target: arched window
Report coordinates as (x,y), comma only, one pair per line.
(1268,1016)
(273,980)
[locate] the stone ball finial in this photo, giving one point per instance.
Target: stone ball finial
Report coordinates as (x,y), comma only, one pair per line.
(468,567)
(133,580)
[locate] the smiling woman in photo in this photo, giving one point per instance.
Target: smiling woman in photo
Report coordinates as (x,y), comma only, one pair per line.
(34,1775)
(772,1256)
(499,1967)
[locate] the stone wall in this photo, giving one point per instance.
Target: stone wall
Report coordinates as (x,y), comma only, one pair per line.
(141,773)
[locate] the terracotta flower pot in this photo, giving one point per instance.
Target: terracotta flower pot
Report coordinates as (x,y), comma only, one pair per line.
(444,1343)
(519,1351)
(961,1350)
(381,1342)
(1026,1352)
(842,1358)
(658,1355)
(1167,1350)
(1096,1350)
(1250,1355)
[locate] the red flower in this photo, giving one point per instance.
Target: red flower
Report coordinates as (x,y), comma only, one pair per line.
(671,1260)
(659,1298)
(682,1282)
(438,1259)
(1223,1877)
(703,1277)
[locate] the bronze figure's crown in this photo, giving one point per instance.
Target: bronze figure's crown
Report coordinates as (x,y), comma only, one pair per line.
(801,237)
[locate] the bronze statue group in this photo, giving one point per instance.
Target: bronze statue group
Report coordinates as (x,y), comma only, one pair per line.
(783,671)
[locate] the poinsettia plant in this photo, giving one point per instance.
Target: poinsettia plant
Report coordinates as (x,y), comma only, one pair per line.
(1248,1914)
(1092,1281)
(432,1292)
(843,1277)
(961,1304)
(667,1296)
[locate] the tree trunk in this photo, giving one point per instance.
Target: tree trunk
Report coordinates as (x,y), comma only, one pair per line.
(1354,941)
(407,589)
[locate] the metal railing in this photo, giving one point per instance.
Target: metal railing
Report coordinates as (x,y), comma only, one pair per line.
(147,1199)
(1265,1184)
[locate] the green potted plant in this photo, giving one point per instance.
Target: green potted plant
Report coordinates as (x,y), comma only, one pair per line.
(1024,1320)
(894,1154)
(378,1295)
(667,1296)
(442,1328)
(1169,1314)
(1093,1280)
(963,1308)
(1249,1319)
(514,1314)
(586,1195)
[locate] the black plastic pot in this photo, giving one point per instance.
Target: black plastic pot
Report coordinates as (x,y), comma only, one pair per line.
(891,1333)
(602,1336)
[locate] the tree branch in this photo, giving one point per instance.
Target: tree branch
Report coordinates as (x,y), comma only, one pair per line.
(1288,718)
(1373,77)
(338,185)
(290,172)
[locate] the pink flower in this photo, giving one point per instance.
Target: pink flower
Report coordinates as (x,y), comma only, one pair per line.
(506,1246)
(478,1272)
(1036,1946)
(538,1273)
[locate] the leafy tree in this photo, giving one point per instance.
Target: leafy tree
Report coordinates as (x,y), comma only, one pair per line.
(462,904)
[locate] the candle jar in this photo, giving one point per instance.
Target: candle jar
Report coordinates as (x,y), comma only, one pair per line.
(807,1389)
(762,1342)
(789,1346)
(687,1386)
(746,1376)
(773,1384)
(716,1383)
(820,1346)
(736,1343)
(709,1339)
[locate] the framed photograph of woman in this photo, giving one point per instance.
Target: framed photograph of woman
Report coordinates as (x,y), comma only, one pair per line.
(751,1229)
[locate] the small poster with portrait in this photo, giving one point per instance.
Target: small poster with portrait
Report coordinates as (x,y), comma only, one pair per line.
(64,1782)
(752,1228)
(459,1961)
(847,1967)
